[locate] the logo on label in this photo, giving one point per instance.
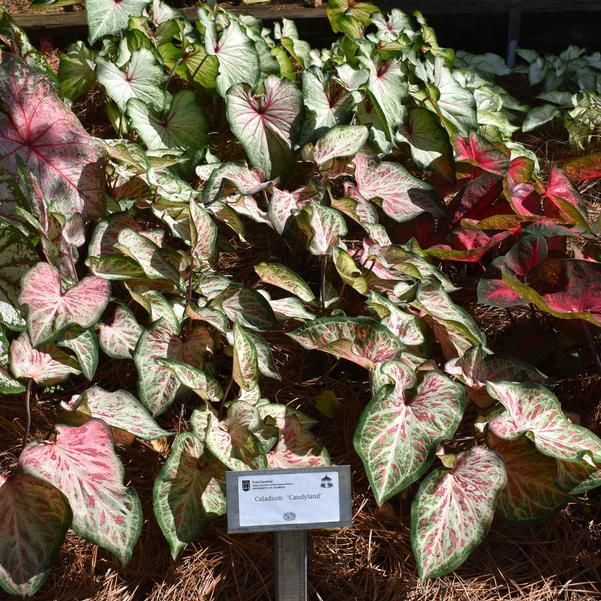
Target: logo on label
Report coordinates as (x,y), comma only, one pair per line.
(289,516)
(245,485)
(326,482)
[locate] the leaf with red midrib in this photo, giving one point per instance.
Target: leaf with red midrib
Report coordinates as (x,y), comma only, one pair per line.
(34,518)
(47,136)
(476,151)
(83,465)
(453,511)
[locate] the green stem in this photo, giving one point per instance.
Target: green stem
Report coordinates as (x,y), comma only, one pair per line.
(324,266)
(28,411)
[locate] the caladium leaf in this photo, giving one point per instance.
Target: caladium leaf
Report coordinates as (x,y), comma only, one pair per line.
(359,339)
(83,465)
(50,309)
(348,270)
(476,151)
(399,432)
(296,446)
(453,511)
(327,226)
(464,331)
(266,125)
(247,307)
(119,409)
(535,412)
(237,56)
(350,17)
(76,71)
(188,490)
(17,256)
(290,308)
(47,365)
(157,384)
(531,493)
(231,179)
(37,121)
(34,518)
(586,167)
(467,245)
(562,192)
(141,79)
(340,141)
(402,323)
(283,277)
(232,441)
(204,385)
(84,344)
(404,197)
(158,307)
(526,254)
(119,338)
(245,369)
(203,236)
(106,17)
(265,360)
(281,206)
(578,478)
(182,126)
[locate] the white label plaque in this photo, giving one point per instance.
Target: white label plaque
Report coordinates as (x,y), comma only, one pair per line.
(288,499)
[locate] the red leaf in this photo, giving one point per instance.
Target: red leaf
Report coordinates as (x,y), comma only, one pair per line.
(476,151)
(588,167)
(467,245)
(477,198)
(46,135)
(562,192)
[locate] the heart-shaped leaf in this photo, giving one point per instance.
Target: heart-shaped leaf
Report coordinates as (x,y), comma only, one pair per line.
(359,339)
(476,151)
(182,126)
(246,306)
(40,130)
(405,325)
(327,226)
(46,366)
(141,79)
(119,338)
(84,344)
(453,511)
(76,71)
(157,384)
(245,370)
(205,386)
(51,310)
(404,197)
(340,141)
(562,192)
(188,490)
(17,256)
(118,409)
(203,236)
(578,478)
(266,125)
(83,465)
(526,254)
(535,411)
(106,17)
(531,493)
(399,432)
(34,518)
(281,276)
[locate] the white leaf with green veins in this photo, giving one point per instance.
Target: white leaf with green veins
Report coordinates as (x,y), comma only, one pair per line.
(107,17)
(142,79)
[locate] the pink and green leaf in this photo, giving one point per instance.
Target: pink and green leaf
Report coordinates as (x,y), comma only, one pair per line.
(578,478)
(50,309)
(189,489)
(283,277)
(584,168)
(453,510)
(204,385)
(203,236)
(81,462)
(119,409)
(327,226)
(245,370)
(399,431)
(478,152)
(119,338)
(84,345)
(34,518)
(359,339)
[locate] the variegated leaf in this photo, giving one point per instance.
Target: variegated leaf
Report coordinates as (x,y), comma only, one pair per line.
(453,511)
(404,197)
(203,236)
(119,409)
(359,339)
(265,360)
(8,385)
(281,206)
(296,446)
(458,324)
(157,306)
(531,493)
(283,277)
(290,308)
(83,465)
(188,490)
(578,478)
(34,518)
(17,256)
(399,431)
(245,370)
(535,412)
(247,307)
(119,338)
(327,226)
(157,384)
(204,385)
(232,441)
(405,325)
(50,309)
(348,270)
(232,180)
(84,344)
(340,141)
(47,365)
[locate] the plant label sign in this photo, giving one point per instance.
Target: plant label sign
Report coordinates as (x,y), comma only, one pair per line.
(289,499)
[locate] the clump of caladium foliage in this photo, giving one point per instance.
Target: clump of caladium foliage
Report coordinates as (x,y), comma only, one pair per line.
(111,251)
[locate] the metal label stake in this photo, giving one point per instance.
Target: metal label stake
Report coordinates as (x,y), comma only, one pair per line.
(289,502)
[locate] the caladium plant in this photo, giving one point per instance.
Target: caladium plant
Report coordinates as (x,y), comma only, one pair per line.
(130,256)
